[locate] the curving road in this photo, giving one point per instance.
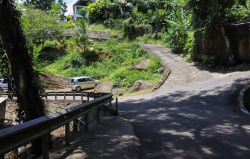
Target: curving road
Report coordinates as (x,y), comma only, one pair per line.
(191,115)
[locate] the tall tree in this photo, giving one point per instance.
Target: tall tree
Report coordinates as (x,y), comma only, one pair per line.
(14,43)
(40,4)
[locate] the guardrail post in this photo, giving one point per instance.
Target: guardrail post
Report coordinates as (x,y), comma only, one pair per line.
(88,96)
(98,115)
(110,103)
(81,97)
(86,119)
(46,95)
(94,96)
(55,96)
(75,125)
(74,95)
(67,134)
(45,147)
(116,105)
(64,95)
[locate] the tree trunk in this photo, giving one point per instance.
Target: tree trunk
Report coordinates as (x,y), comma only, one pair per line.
(27,88)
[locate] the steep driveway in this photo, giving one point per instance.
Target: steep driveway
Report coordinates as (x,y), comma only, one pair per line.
(191,115)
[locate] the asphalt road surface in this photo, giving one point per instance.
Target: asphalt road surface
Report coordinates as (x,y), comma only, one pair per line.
(191,115)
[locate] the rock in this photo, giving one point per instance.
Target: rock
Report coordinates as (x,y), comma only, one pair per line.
(98,35)
(104,87)
(118,91)
(53,82)
(140,85)
(142,65)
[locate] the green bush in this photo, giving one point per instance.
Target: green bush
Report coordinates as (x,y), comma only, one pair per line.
(132,30)
(178,27)
(97,11)
(158,20)
(52,44)
(114,24)
(103,10)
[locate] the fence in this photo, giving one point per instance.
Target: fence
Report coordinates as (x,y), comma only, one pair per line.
(19,135)
(73,95)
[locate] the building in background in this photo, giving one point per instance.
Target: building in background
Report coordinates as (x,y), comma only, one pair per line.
(79,6)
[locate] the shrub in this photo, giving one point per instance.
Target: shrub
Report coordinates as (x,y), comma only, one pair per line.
(90,56)
(76,60)
(158,20)
(114,24)
(132,30)
(177,32)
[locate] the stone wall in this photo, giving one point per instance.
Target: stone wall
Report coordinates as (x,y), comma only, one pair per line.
(239,35)
(224,44)
(2,109)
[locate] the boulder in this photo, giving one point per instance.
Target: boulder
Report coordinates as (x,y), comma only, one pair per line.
(104,87)
(118,91)
(140,85)
(142,65)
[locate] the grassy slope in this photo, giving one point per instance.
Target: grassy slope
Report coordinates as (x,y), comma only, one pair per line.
(117,57)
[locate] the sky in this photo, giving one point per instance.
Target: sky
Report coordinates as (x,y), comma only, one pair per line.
(69,6)
(68,1)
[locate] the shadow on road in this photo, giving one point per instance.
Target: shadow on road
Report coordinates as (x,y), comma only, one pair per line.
(190,124)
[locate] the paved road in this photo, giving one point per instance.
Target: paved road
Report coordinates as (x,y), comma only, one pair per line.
(191,115)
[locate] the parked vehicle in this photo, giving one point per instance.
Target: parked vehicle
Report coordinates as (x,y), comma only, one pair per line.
(3,84)
(84,82)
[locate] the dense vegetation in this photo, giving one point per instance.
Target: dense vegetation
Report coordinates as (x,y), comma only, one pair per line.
(174,22)
(62,48)
(60,45)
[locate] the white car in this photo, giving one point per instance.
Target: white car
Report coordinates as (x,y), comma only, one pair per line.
(3,84)
(84,82)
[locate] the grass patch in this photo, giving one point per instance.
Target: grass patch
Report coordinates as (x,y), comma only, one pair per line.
(114,63)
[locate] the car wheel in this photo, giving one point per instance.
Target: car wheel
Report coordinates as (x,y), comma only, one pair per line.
(78,89)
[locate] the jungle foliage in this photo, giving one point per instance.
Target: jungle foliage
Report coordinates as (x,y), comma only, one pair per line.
(173,21)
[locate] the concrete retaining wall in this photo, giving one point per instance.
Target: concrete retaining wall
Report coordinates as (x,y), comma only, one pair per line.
(224,44)
(2,108)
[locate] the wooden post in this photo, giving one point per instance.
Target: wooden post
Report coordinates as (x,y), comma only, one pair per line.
(88,96)
(45,146)
(75,125)
(81,97)
(86,122)
(46,95)
(67,134)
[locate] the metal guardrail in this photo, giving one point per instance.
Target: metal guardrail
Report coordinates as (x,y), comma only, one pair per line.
(65,95)
(73,95)
(19,135)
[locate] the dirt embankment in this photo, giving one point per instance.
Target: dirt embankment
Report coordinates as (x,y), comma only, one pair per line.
(53,82)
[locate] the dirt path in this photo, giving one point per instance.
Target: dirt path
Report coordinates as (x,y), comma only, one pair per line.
(191,115)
